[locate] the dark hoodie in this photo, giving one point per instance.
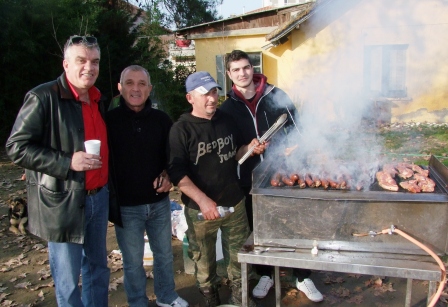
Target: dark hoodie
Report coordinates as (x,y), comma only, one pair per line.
(254,120)
(204,150)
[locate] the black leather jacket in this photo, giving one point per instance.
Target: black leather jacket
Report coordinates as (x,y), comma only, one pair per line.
(48,130)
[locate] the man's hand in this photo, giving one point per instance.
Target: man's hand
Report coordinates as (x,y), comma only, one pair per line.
(258,149)
(208,208)
(162,183)
(82,161)
(205,203)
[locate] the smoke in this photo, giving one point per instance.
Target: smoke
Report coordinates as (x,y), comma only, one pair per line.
(354,61)
(341,79)
(334,140)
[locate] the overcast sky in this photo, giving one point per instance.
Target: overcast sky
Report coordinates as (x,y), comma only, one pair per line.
(238,7)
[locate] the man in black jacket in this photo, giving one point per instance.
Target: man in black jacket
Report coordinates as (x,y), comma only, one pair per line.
(67,187)
(255,105)
(138,137)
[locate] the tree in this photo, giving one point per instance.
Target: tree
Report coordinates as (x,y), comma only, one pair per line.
(34,32)
(184,13)
(168,81)
(32,39)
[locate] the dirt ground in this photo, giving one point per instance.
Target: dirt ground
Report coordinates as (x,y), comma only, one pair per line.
(25,278)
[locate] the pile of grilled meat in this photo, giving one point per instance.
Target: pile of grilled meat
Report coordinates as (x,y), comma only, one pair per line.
(411,177)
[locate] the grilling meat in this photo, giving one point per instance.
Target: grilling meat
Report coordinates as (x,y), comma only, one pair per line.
(317,181)
(420,170)
(386,181)
(325,183)
(333,184)
(425,183)
(275,179)
(389,168)
(301,183)
(404,172)
(341,183)
(294,177)
(286,180)
(309,181)
(418,180)
(411,186)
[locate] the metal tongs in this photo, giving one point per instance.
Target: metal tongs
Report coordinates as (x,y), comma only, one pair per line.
(259,250)
(281,120)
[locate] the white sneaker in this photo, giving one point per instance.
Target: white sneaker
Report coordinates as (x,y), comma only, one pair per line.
(307,286)
(262,288)
(178,302)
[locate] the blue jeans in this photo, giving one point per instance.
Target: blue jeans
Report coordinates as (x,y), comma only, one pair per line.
(67,260)
(155,219)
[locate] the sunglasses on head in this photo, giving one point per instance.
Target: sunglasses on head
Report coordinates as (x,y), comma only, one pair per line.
(88,40)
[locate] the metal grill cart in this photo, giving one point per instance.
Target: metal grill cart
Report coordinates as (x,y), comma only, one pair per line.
(289,220)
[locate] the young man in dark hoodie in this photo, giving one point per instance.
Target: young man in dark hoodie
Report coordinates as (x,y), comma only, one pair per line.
(255,105)
(203,150)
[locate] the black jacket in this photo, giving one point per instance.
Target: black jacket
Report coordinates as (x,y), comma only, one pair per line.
(138,154)
(48,130)
(271,105)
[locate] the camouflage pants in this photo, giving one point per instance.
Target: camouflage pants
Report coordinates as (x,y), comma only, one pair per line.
(202,236)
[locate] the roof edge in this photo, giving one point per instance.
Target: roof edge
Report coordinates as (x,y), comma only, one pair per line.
(242,32)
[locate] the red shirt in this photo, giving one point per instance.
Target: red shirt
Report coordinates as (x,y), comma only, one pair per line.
(94,129)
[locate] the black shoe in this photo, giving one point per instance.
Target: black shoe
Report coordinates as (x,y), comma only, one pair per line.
(211,296)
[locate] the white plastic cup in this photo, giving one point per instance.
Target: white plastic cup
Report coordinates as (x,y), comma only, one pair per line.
(93,147)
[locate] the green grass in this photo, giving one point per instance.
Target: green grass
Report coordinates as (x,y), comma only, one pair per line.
(417,144)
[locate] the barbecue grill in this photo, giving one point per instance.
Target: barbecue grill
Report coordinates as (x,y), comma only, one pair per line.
(293,217)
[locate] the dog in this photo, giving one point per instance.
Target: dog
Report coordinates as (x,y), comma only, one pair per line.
(18,215)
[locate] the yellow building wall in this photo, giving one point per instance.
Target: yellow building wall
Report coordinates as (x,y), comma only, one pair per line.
(328,55)
(322,63)
(207,49)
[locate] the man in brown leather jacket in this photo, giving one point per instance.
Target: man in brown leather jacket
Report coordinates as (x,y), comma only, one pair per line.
(67,187)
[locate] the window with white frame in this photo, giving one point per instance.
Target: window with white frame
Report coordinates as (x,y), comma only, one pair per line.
(385,70)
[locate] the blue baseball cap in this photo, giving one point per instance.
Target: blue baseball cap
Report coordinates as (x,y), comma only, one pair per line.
(201,81)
